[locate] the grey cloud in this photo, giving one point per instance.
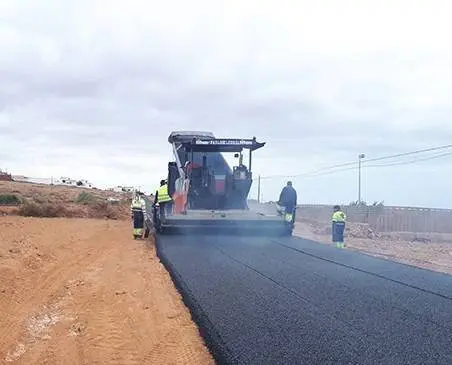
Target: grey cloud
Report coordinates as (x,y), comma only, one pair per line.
(72,94)
(434,135)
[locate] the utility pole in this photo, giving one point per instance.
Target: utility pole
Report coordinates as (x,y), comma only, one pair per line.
(259,189)
(360,157)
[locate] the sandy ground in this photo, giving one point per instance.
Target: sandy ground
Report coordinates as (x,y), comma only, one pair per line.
(435,254)
(82,291)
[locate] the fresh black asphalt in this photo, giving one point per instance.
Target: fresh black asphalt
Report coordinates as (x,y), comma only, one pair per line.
(292,301)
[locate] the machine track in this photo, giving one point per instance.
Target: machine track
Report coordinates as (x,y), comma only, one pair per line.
(291,301)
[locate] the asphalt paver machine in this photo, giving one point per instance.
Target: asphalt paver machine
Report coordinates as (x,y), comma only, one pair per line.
(209,196)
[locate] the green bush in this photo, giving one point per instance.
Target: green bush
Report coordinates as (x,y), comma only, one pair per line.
(86,198)
(10,199)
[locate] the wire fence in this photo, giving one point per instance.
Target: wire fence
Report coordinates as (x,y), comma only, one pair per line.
(380,218)
(386,219)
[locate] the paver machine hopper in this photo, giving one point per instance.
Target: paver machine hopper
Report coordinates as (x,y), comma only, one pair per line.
(208,195)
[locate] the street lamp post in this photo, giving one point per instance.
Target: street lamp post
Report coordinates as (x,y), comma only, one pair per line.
(360,157)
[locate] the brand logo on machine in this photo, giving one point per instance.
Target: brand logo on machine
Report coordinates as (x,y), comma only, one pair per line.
(216,142)
(200,141)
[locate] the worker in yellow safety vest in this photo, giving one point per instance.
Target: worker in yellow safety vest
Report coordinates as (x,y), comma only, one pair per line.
(138,208)
(162,198)
(338,220)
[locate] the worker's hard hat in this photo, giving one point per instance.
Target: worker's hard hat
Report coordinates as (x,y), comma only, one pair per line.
(337,207)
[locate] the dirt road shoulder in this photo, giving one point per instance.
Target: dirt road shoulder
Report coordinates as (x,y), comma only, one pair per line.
(436,256)
(79,291)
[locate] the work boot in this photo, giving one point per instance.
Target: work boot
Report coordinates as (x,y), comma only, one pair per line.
(137,233)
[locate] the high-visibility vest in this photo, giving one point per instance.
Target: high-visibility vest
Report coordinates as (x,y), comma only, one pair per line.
(338,216)
(289,217)
(138,203)
(163,194)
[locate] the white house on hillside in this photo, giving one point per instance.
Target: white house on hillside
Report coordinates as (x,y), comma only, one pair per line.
(122,189)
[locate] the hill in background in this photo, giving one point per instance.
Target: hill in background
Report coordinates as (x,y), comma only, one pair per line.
(39,200)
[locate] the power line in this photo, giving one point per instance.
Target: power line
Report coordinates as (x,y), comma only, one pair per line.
(311,172)
(413,161)
(397,163)
(318,172)
(382,165)
(409,153)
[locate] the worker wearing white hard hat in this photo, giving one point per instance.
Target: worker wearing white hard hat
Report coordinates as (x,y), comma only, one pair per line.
(138,208)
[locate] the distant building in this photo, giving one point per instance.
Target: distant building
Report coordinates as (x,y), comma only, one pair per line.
(82,183)
(122,189)
(65,181)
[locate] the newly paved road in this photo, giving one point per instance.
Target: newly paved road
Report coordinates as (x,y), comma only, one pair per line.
(292,301)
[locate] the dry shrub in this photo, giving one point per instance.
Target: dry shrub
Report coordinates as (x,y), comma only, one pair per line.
(102,209)
(30,210)
(43,210)
(40,200)
(99,210)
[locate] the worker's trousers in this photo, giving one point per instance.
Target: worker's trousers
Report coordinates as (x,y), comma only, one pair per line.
(290,212)
(165,208)
(338,234)
(138,222)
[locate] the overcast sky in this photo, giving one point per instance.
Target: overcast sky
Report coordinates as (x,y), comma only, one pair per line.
(92,89)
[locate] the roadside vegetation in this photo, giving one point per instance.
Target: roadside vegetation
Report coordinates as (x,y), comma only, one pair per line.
(10,199)
(33,200)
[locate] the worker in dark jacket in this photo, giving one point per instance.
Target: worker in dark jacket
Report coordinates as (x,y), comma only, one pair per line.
(338,220)
(288,200)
